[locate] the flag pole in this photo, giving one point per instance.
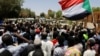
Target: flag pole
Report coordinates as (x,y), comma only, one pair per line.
(92,12)
(92,16)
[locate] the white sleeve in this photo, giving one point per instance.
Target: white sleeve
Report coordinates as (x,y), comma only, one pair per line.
(23,45)
(49,48)
(0,40)
(85,54)
(2,49)
(30,54)
(45,53)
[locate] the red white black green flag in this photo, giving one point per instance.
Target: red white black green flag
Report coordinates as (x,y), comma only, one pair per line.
(75,9)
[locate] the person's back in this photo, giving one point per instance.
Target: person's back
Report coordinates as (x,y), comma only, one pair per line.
(37,49)
(38,53)
(46,44)
(8,42)
(90,51)
(60,51)
(55,35)
(61,48)
(72,49)
(5,53)
(28,49)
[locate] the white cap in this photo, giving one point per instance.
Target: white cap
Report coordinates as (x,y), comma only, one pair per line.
(37,41)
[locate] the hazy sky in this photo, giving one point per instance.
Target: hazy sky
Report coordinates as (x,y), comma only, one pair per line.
(44,5)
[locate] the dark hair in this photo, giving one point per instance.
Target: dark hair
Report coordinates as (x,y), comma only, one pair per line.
(61,40)
(65,27)
(38,52)
(47,30)
(32,27)
(55,29)
(1,33)
(55,34)
(23,28)
(71,33)
(80,36)
(44,36)
(32,35)
(15,29)
(27,36)
(28,49)
(40,28)
(7,39)
(91,43)
(71,41)
(77,40)
(8,28)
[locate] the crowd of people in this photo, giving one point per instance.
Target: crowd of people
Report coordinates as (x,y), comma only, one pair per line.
(37,39)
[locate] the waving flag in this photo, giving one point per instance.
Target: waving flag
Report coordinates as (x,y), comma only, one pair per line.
(75,9)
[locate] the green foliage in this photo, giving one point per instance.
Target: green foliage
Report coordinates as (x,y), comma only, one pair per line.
(58,14)
(42,14)
(10,8)
(95,9)
(51,14)
(32,15)
(25,12)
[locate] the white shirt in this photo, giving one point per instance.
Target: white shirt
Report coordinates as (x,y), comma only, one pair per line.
(0,40)
(37,36)
(47,46)
(89,53)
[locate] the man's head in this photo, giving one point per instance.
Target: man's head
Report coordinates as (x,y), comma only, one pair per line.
(91,42)
(44,35)
(37,43)
(55,34)
(71,41)
(7,39)
(61,40)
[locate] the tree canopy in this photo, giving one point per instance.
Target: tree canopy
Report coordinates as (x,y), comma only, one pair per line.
(11,8)
(25,12)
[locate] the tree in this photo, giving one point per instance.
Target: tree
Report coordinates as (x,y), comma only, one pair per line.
(25,12)
(58,14)
(95,9)
(42,14)
(51,14)
(10,8)
(33,14)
